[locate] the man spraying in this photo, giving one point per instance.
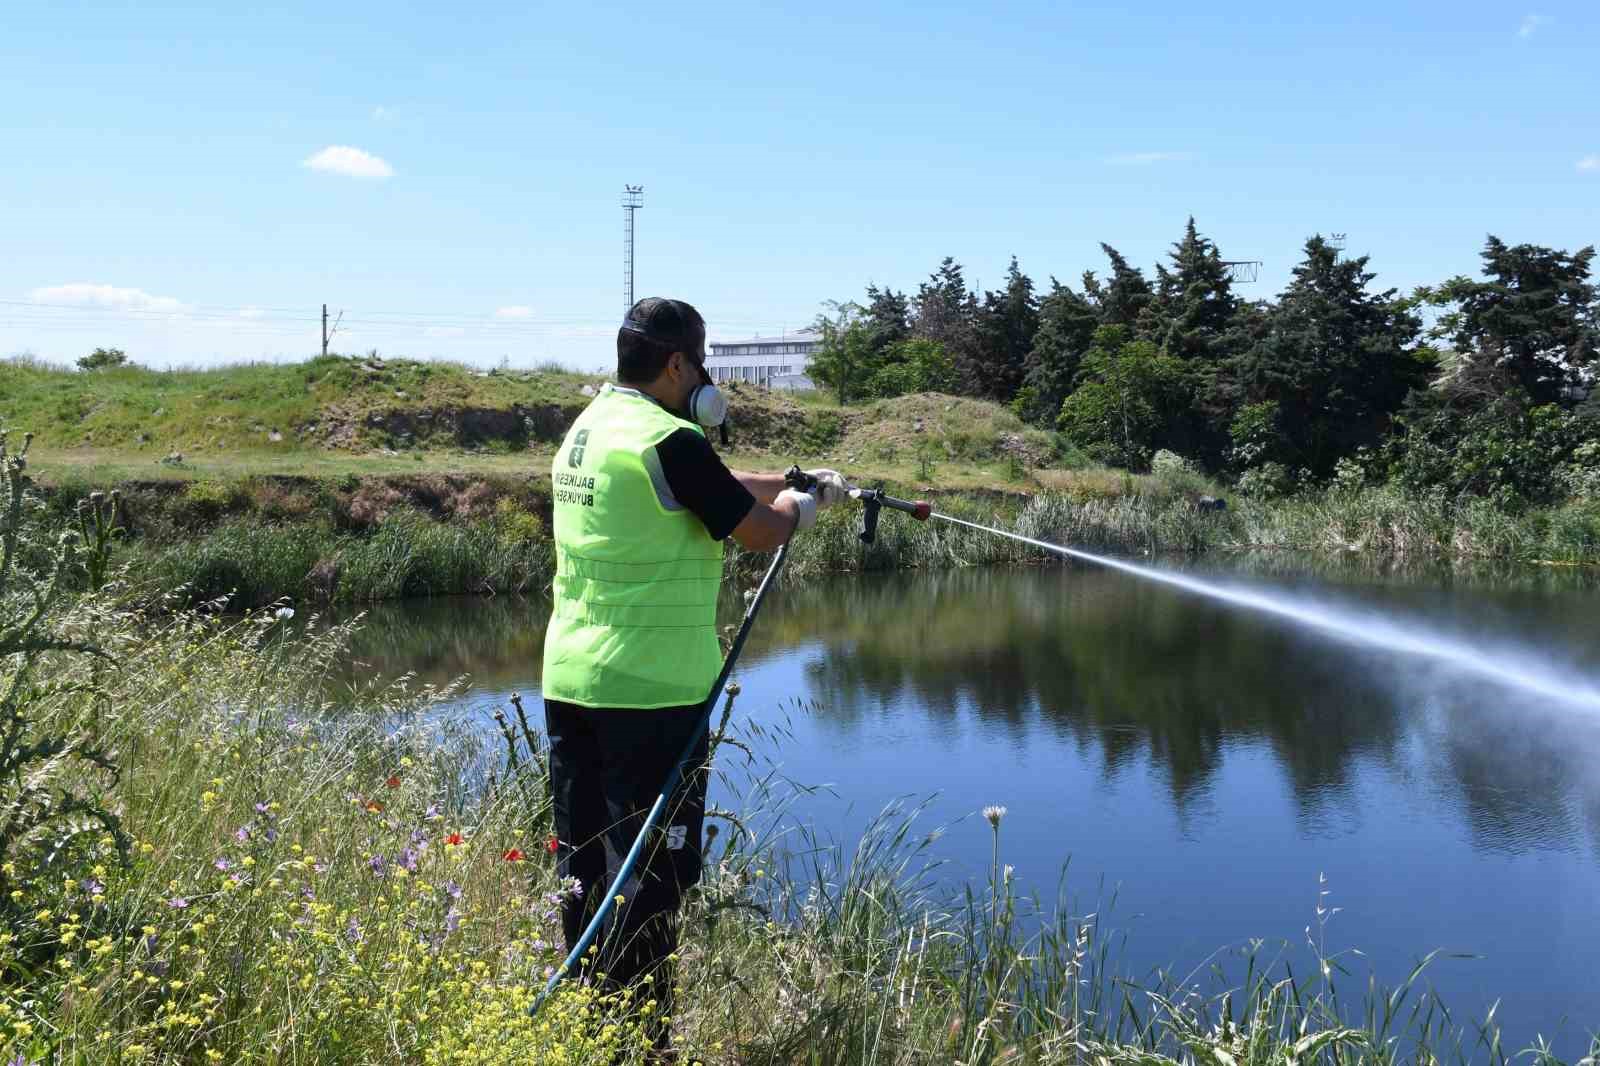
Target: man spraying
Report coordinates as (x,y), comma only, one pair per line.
(642,507)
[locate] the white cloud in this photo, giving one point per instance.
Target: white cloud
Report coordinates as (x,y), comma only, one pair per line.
(514,312)
(351,162)
(1589,162)
(86,294)
(1530,25)
(382,114)
(1147,158)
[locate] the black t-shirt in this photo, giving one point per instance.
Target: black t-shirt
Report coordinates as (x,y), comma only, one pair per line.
(702,484)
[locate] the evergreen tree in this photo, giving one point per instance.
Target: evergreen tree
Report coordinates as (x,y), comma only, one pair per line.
(888,318)
(1067,322)
(1006,327)
(1122,300)
(1536,315)
(1335,361)
(945,311)
(1192,313)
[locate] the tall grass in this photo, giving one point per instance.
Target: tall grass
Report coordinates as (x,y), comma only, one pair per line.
(259,541)
(251,563)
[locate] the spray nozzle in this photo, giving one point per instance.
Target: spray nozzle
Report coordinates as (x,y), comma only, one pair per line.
(874,500)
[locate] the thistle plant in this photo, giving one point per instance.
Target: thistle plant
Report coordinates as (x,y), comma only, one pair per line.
(50,764)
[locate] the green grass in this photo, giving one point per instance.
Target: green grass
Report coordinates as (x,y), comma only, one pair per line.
(324,402)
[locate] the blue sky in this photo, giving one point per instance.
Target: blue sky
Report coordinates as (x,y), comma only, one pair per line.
(157,192)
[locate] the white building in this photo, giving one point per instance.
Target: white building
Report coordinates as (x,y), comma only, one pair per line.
(776,362)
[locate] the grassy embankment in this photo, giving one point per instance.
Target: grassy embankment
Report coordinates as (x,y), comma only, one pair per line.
(355,479)
(303,886)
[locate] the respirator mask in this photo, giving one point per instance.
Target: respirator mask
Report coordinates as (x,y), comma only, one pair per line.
(707,406)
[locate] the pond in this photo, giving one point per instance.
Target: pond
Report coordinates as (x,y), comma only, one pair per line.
(1205,764)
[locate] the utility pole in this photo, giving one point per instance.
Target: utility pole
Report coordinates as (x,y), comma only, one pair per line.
(327,334)
(632,200)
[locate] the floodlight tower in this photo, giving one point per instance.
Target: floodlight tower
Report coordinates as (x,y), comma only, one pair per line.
(632,200)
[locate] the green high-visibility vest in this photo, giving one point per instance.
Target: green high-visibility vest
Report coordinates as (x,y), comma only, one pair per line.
(635,612)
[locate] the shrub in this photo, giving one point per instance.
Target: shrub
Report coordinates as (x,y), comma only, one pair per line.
(515,522)
(1268,481)
(103,359)
(821,432)
(210,499)
(1169,464)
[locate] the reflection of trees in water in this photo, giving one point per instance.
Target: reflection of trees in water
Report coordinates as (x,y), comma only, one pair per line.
(1139,672)
(1527,780)
(497,641)
(1127,669)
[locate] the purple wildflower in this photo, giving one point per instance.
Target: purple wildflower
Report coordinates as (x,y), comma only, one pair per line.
(378,865)
(177,903)
(223,864)
(262,808)
(91,887)
(408,860)
(452,920)
(150,943)
(432,812)
(452,889)
(319,867)
(272,835)
(352,932)
(306,892)
(242,834)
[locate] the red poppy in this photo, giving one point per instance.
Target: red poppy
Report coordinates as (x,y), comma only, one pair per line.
(394,781)
(374,807)
(514,855)
(453,839)
(552,845)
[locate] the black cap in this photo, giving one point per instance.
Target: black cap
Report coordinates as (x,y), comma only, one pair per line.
(670,323)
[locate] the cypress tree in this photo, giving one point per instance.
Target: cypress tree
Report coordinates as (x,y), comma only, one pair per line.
(1006,326)
(1335,360)
(1193,309)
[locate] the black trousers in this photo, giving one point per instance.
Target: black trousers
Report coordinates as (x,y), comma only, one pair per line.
(606,768)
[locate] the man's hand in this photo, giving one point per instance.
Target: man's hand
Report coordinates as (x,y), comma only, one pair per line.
(832,488)
(803,504)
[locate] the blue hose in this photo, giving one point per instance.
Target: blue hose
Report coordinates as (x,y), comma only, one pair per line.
(667,788)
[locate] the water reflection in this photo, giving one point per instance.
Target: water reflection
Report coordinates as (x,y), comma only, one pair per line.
(1135,672)
(1210,762)
(1127,673)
